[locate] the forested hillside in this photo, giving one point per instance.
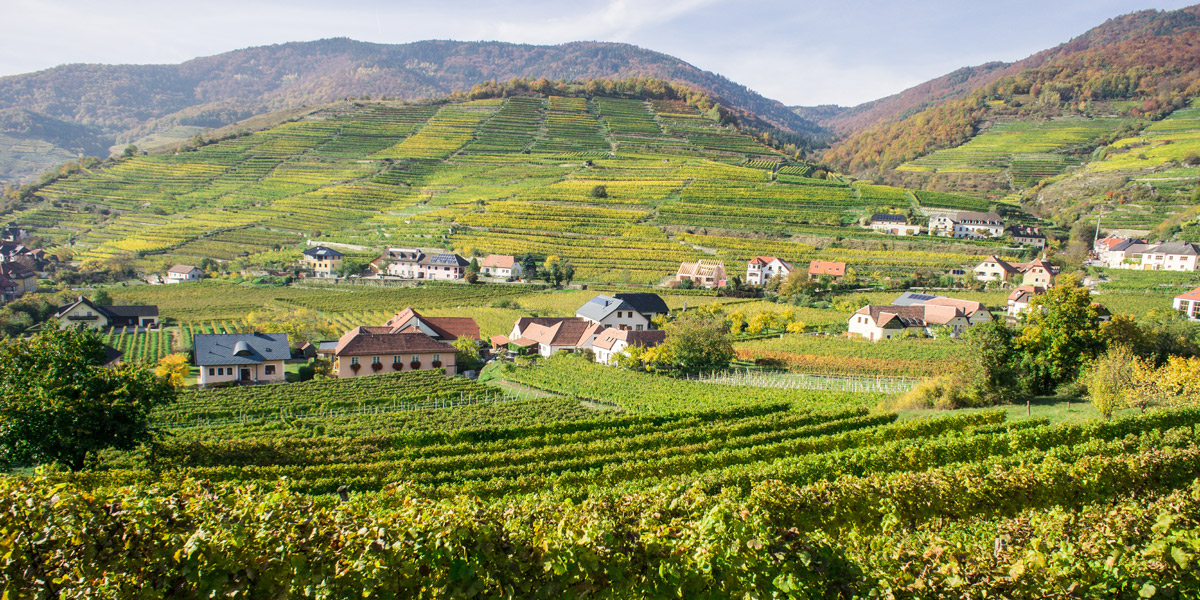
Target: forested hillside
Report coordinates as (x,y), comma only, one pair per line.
(117,104)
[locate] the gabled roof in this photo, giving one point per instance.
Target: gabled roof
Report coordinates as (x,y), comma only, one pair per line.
(1024,231)
(1039,263)
(110,310)
(888,316)
(1176,248)
(886,218)
(644,302)
(254,348)
(363,341)
(1192,295)
(1111,241)
(5,282)
(323,253)
(182,269)
(16,270)
(523,323)
(979,218)
(1024,293)
(442,328)
(498,261)
(912,299)
(1004,266)
(822,267)
(568,332)
(600,307)
(968,307)
(498,340)
(403,255)
(445,260)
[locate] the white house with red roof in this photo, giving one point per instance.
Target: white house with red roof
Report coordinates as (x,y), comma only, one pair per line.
(1189,304)
(762,269)
(500,265)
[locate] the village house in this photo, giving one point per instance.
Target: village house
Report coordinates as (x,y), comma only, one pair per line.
(884,321)
(1018,300)
(702,273)
(400,262)
(1027,236)
(181,273)
(25,277)
(647,304)
(893,225)
(9,290)
(973,225)
(571,335)
(762,269)
(612,343)
(1189,304)
(975,312)
(368,350)
(821,268)
(241,357)
(323,262)
(444,266)
(1037,272)
(607,311)
(83,314)
(501,265)
(1170,256)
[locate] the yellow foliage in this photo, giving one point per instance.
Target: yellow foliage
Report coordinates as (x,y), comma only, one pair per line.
(173,368)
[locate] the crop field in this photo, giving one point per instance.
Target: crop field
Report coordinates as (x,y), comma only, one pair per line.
(612,184)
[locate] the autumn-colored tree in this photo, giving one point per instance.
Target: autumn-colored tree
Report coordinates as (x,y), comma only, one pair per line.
(1060,333)
(174,368)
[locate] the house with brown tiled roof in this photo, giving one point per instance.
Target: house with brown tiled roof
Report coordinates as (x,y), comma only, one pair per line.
(25,277)
(442,329)
(500,265)
(9,290)
(703,273)
(571,335)
(975,312)
(994,269)
(823,268)
(1019,299)
(762,269)
(885,321)
(612,343)
(1037,272)
(372,350)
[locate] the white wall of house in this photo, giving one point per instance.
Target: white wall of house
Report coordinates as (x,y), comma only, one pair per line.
(83,316)
(270,371)
(895,228)
(1191,308)
(407,270)
(990,271)
(973,231)
(443,272)
(626,319)
(181,277)
(1154,261)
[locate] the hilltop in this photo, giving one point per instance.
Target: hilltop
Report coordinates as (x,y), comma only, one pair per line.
(86,108)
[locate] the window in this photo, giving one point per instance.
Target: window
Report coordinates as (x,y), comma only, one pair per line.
(437,358)
(639,328)
(211,371)
(354,360)
(375,360)
(220,370)
(416,358)
(269,370)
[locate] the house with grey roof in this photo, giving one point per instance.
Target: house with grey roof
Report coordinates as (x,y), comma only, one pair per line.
(1170,256)
(324,262)
(445,266)
(648,304)
(608,311)
(241,357)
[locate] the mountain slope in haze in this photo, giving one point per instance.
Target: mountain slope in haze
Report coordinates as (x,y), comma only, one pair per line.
(122,102)
(1149,57)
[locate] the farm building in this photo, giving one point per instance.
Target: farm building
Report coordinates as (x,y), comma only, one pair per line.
(241,357)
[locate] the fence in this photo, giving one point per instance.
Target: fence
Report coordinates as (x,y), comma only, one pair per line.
(805,381)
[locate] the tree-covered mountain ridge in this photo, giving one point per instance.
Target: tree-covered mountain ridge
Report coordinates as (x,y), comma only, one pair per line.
(117,104)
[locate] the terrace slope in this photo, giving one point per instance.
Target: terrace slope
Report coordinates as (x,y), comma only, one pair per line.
(123,103)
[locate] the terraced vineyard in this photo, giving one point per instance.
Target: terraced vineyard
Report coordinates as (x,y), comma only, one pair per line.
(612,184)
(650,485)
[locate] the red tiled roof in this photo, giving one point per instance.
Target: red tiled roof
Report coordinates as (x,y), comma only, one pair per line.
(498,340)
(1192,295)
(499,261)
(446,328)
(565,333)
(821,267)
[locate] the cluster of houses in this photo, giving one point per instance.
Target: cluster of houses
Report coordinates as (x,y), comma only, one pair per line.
(410,341)
(919,314)
(413,263)
(1116,252)
(19,265)
(959,224)
(759,271)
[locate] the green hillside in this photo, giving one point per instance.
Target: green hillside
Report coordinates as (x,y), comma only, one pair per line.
(625,188)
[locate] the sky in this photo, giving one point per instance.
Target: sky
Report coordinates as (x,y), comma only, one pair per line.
(799,52)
